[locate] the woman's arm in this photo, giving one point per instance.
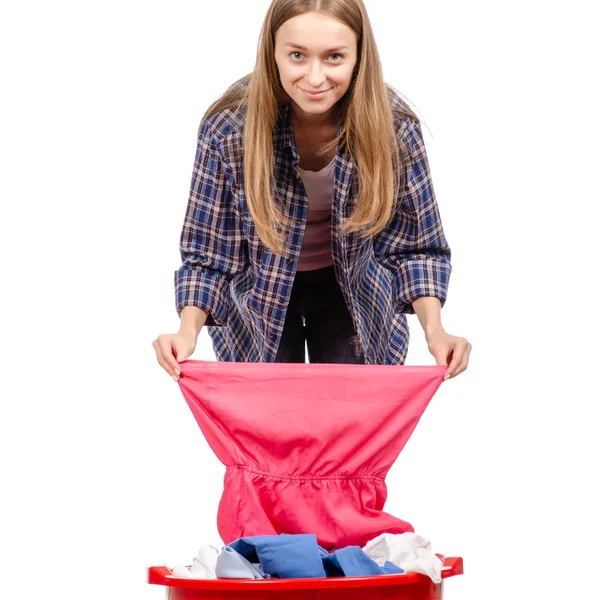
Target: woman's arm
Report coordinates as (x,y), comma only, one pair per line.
(212,252)
(429,313)
(212,240)
(413,246)
(192,320)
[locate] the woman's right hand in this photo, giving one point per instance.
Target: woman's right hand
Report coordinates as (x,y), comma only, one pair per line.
(173,348)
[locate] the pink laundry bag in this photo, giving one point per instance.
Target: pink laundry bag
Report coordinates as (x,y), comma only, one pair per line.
(307,447)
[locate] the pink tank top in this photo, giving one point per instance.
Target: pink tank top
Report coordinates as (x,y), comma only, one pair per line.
(315,252)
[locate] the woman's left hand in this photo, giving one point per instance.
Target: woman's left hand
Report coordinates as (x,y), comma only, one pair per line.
(449,350)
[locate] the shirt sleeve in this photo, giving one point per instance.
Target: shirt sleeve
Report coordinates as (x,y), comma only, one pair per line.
(413,246)
(212,240)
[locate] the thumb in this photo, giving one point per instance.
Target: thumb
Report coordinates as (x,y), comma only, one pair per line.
(181,351)
(440,355)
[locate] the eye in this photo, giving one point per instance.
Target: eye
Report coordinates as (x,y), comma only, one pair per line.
(296,55)
(339,57)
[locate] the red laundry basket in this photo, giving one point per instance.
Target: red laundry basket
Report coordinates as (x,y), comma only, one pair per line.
(407,586)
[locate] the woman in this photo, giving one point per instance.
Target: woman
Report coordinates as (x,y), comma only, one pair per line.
(311,218)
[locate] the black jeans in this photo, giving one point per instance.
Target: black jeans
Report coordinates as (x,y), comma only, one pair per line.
(317,316)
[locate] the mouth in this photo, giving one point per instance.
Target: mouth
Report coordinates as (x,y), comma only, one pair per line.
(315,95)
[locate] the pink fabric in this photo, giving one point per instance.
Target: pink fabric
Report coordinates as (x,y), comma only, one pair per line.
(307,447)
(315,252)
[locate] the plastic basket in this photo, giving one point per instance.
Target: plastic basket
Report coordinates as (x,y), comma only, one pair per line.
(407,586)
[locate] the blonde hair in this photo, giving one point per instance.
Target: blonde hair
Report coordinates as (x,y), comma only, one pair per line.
(367,127)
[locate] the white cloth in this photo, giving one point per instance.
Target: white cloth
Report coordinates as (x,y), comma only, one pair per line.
(408,551)
(204,565)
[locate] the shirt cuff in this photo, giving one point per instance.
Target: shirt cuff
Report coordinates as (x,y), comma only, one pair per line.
(204,288)
(420,277)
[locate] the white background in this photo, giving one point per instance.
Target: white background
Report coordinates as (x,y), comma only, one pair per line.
(104,470)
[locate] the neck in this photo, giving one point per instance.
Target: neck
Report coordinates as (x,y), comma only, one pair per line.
(307,121)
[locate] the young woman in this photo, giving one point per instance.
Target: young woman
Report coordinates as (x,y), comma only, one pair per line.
(312,220)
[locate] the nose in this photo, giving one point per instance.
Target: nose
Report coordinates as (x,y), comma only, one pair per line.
(316,75)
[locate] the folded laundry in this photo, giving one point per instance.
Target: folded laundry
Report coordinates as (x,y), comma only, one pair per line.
(407,550)
(294,556)
(307,447)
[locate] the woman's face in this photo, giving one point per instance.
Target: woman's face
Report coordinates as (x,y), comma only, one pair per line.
(316,55)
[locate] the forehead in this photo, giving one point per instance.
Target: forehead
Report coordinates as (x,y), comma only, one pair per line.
(315,31)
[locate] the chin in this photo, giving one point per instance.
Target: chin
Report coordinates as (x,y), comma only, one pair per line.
(310,109)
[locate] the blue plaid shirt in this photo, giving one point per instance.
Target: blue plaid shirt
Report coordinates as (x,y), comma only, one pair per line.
(245,288)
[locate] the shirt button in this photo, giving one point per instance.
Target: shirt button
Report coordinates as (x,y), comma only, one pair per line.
(272,336)
(289,262)
(298,221)
(281,299)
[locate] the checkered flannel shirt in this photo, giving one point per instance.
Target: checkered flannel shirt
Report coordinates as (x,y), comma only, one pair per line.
(245,288)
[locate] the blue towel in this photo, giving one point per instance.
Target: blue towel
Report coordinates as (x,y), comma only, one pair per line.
(284,556)
(299,556)
(353,562)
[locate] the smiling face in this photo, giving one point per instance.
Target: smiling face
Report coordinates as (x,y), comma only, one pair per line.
(315,55)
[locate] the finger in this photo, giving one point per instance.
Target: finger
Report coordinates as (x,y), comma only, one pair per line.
(172,359)
(464,363)
(440,354)
(165,366)
(458,350)
(450,361)
(159,358)
(440,358)
(166,358)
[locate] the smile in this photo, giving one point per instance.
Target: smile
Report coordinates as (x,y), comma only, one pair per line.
(315,95)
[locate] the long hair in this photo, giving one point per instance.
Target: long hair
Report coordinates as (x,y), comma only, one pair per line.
(367,128)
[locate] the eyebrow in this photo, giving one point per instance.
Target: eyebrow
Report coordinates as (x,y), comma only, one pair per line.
(291,45)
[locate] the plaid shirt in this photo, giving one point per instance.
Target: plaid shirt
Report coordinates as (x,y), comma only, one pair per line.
(245,288)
